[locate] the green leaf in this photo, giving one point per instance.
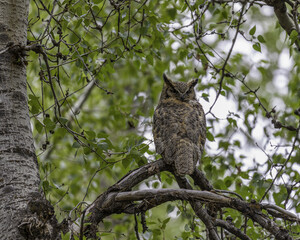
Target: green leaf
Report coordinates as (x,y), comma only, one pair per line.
(171,13)
(279,197)
(149,59)
(228,181)
(156,233)
(39,126)
(252,30)
(165,223)
(126,161)
(76,145)
(78,23)
(143,148)
(205,97)
(224,144)
(63,120)
(232,121)
(86,22)
(96,9)
(79,11)
(261,39)
(170,208)
(187,227)
(102,135)
(244,175)
(87,150)
(49,124)
(144,30)
(103,145)
(184,7)
(91,134)
(293,36)
(155,184)
(209,136)
(34,104)
(46,186)
(257,47)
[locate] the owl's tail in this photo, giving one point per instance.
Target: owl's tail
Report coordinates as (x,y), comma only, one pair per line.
(186,157)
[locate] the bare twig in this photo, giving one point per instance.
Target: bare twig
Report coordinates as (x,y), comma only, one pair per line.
(283,165)
(223,69)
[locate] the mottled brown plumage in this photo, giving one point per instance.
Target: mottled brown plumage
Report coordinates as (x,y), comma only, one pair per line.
(179,127)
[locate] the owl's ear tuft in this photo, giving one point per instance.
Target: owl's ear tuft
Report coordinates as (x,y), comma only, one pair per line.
(167,80)
(193,82)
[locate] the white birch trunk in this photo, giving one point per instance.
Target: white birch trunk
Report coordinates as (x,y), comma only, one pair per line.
(19,173)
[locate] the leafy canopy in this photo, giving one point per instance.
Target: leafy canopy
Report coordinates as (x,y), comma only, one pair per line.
(93,89)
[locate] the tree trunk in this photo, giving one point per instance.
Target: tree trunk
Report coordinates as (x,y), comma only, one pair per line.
(19,173)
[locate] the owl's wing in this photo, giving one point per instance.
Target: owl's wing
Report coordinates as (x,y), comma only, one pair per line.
(197,125)
(158,124)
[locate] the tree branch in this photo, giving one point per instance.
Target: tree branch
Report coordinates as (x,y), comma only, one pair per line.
(199,211)
(174,194)
(231,228)
(120,199)
(277,211)
(285,21)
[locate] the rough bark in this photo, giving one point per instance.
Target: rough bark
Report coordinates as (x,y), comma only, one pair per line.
(22,207)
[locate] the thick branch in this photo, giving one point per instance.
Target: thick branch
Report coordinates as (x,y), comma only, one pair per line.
(277,211)
(246,208)
(285,21)
(164,195)
(200,180)
(254,212)
(120,199)
(174,194)
(105,204)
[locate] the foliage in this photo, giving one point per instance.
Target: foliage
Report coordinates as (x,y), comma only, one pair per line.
(94,83)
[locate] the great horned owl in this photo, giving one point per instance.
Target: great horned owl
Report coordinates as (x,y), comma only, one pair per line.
(179,127)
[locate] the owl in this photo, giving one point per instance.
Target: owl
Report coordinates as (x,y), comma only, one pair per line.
(179,127)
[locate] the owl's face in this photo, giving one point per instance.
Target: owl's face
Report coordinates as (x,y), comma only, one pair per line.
(181,91)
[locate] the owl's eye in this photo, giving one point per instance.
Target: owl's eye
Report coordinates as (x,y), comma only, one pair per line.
(171,91)
(189,91)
